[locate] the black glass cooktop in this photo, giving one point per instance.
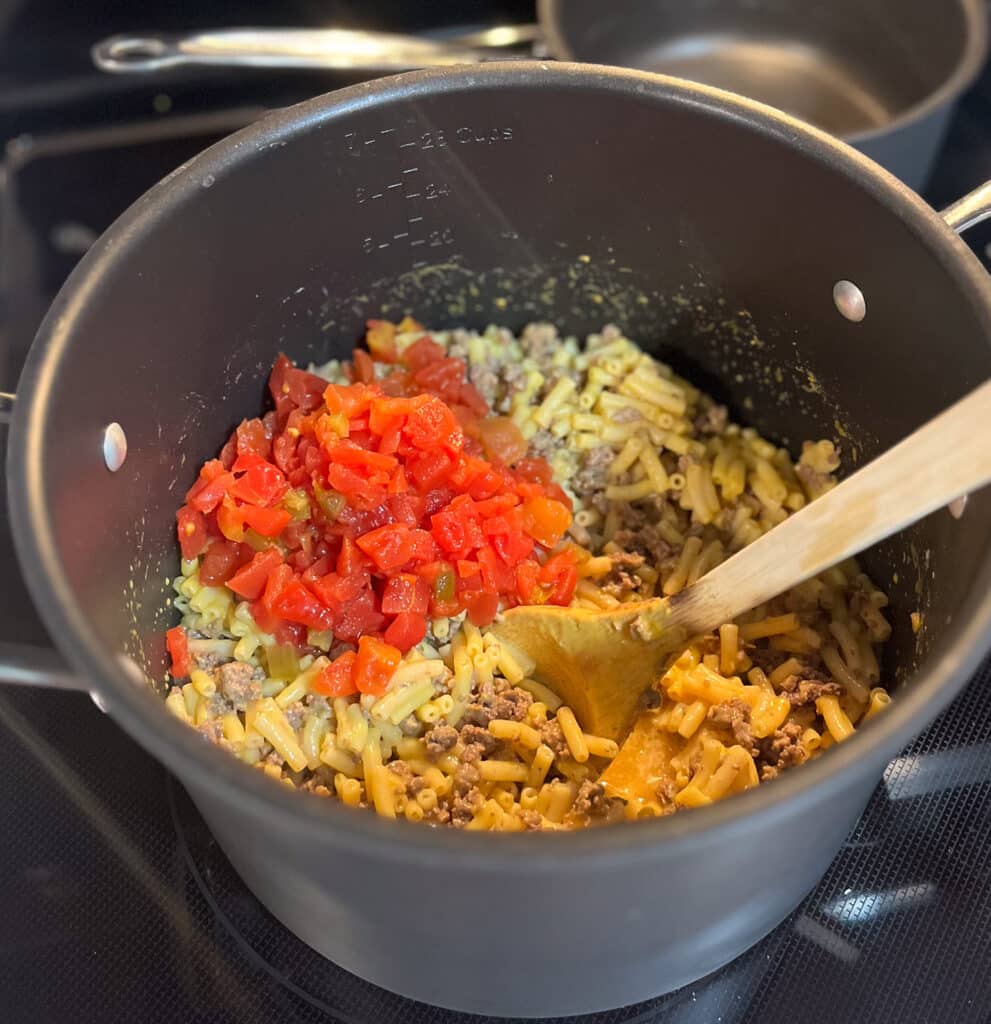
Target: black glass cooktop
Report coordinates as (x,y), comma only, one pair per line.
(115,902)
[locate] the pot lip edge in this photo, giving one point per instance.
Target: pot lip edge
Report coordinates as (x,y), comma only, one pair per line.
(171,741)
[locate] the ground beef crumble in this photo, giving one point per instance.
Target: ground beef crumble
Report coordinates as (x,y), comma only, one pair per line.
(510,704)
(802,692)
(550,733)
(238,684)
(440,739)
(780,751)
(593,477)
(591,800)
(735,716)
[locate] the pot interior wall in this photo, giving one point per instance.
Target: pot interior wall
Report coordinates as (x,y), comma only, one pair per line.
(714,244)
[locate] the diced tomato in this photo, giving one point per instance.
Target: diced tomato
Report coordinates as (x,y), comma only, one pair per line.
(229,520)
(178,645)
(278,579)
(347,453)
(337,679)
(191,526)
(380,337)
(363,369)
(502,440)
(297,604)
(430,469)
(422,547)
(432,424)
(469,396)
(221,561)
(560,573)
(359,617)
(422,353)
(442,378)
(385,414)
(253,438)
(405,593)
(290,634)
(528,583)
(482,607)
(375,664)
(389,547)
(260,483)
(352,484)
(389,476)
(209,496)
(545,519)
(249,581)
(497,576)
(269,522)
(338,591)
(406,630)
(292,387)
(456,530)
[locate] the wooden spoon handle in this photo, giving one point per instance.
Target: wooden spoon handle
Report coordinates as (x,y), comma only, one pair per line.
(948,457)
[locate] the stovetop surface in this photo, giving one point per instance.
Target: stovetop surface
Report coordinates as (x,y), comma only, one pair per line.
(117,905)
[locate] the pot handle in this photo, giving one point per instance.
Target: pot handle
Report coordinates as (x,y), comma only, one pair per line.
(970,210)
(23,664)
(336,49)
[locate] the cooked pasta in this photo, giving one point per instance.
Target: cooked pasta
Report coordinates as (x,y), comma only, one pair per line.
(447,726)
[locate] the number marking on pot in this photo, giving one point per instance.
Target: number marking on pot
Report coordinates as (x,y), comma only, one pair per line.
(418,231)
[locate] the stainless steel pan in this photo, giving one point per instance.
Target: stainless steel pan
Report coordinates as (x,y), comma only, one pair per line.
(880,74)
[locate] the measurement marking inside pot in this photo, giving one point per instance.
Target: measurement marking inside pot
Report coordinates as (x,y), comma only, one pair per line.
(370,142)
(378,195)
(384,245)
(386,131)
(410,170)
(412,195)
(395,184)
(406,145)
(414,220)
(418,241)
(402,234)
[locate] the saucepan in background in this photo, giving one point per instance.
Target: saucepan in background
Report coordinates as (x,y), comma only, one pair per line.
(883,75)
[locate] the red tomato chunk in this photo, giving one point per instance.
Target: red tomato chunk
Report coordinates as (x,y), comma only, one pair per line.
(331,512)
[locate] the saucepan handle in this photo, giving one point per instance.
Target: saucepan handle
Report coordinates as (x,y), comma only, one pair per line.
(970,210)
(336,49)
(23,664)
(39,666)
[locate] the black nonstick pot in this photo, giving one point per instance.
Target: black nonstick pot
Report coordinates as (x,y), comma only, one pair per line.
(715,232)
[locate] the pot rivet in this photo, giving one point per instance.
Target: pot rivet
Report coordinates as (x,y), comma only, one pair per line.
(850,301)
(957,506)
(114,447)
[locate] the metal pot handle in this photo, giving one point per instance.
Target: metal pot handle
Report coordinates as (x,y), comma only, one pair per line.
(970,210)
(336,49)
(39,666)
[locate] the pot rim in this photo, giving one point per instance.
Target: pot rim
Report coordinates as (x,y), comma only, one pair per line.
(209,771)
(967,68)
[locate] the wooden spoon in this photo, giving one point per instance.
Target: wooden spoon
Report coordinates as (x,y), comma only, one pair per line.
(601,662)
